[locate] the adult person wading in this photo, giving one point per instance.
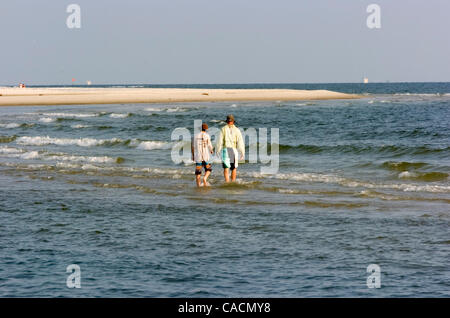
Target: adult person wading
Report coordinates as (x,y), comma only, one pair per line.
(228,144)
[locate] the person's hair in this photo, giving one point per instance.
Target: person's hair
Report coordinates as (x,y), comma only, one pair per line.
(230,119)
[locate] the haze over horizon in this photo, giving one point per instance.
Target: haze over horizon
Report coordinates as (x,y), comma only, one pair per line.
(204,42)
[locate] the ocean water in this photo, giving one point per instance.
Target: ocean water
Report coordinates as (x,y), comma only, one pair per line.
(360,182)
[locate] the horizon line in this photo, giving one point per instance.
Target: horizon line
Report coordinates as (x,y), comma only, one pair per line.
(247,83)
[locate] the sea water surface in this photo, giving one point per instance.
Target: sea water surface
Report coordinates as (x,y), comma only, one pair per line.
(360,182)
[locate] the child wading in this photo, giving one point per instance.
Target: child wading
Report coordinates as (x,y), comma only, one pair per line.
(201,150)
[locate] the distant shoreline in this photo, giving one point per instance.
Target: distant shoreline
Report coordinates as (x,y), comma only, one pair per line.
(79,96)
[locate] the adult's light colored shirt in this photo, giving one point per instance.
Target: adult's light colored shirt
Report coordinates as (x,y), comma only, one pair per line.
(230,137)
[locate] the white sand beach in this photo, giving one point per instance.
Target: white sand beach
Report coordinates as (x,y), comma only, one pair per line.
(70,96)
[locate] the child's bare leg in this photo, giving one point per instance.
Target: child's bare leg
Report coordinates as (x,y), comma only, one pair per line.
(207,173)
(198,174)
(205,178)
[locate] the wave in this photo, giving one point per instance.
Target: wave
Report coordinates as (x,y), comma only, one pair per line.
(424,176)
(16,125)
(346,205)
(94,159)
(47,119)
(254,181)
(362,149)
(43,155)
(176,109)
(7,139)
(7,150)
(80,126)
(10,125)
(150,145)
(71,115)
(82,142)
(113,115)
(351,183)
(392,197)
(422,94)
(91,142)
(154,109)
(403,165)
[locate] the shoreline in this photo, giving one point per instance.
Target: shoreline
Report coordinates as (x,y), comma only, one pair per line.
(85,96)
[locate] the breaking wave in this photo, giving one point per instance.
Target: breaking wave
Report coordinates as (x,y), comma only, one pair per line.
(10,125)
(90,142)
(44,155)
(113,115)
(71,115)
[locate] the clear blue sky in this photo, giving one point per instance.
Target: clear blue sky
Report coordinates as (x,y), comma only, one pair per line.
(223,41)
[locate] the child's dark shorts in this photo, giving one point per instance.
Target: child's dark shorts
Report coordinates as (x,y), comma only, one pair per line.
(204,164)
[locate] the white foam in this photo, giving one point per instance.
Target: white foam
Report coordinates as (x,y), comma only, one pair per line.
(150,145)
(309,177)
(9,150)
(176,109)
(46,140)
(47,119)
(100,159)
(80,126)
(67,165)
(30,155)
(21,153)
(71,115)
(10,125)
(406,174)
(154,109)
(119,115)
(287,191)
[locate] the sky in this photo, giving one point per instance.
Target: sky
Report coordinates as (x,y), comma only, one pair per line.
(223,41)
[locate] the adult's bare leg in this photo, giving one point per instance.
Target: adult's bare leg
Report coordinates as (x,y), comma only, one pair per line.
(233,174)
(226,174)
